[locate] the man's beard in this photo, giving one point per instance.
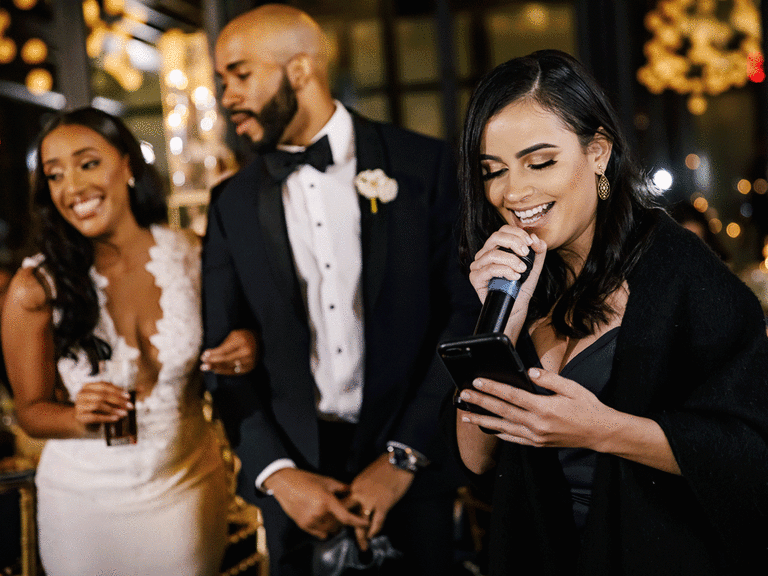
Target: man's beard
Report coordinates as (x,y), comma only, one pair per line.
(275,116)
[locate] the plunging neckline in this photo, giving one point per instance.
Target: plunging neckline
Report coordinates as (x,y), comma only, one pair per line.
(601,341)
(121,348)
(589,350)
(174,264)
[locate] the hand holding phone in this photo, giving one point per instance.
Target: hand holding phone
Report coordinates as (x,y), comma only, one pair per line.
(489,356)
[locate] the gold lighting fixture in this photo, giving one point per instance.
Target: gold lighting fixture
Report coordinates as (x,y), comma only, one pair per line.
(701,48)
(194,130)
(110,41)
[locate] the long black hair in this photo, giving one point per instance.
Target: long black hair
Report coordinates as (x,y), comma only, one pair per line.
(68,255)
(560,84)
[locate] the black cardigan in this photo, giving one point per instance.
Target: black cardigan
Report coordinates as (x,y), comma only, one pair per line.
(692,354)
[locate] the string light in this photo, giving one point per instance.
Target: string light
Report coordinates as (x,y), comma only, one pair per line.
(34,51)
(39,80)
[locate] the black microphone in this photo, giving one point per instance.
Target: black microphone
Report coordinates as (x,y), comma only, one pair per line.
(500,299)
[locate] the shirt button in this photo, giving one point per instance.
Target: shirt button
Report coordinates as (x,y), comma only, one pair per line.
(338,350)
(332,306)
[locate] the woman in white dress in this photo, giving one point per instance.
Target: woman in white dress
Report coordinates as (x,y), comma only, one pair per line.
(115,295)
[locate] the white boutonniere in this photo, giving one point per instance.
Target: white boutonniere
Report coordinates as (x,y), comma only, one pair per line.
(375,185)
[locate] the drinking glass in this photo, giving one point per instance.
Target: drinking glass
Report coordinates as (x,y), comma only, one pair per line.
(122,373)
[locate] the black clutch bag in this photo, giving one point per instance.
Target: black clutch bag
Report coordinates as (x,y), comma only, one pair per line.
(341,556)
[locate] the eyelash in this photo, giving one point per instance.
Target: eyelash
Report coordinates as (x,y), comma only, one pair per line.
(85,166)
(542,165)
(491,175)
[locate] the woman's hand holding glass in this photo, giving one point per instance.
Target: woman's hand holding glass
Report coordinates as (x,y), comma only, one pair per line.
(99,403)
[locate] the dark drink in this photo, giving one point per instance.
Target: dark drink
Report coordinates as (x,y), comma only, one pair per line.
(124,430)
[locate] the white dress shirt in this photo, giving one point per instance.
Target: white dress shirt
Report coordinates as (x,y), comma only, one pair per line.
(322,215)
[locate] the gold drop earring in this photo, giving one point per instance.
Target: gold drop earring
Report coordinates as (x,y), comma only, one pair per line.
(603,186)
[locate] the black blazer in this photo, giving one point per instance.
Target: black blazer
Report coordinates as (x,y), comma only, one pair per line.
(414,295)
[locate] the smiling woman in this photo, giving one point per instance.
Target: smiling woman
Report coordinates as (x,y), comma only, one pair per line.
(648,454)
(88,180)
(105,323)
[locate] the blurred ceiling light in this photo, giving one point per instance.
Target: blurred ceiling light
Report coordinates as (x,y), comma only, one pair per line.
(715,225)
(692,161)
(114,7)
(24,4)
(744,186)
(536,16)
(34,51)
(662,179)
(760,186)
(39,81)
(701,204)
(700,47)
(5,20)
(113,42)
(91,13)
(148,151)
(7,50)
(733,230)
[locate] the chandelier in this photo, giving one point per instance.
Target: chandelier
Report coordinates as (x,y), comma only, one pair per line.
(110,40)
(701,48)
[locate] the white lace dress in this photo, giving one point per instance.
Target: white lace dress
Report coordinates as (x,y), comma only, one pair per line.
(157,507)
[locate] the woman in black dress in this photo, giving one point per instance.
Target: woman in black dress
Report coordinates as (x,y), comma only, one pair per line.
(647,454)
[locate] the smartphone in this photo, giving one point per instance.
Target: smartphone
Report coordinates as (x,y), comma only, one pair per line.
(485,356)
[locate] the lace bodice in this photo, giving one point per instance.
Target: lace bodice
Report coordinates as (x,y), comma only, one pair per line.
(175,264)
(170,421)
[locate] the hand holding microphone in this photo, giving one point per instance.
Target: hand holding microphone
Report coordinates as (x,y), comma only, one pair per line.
(501,297)
(489,353)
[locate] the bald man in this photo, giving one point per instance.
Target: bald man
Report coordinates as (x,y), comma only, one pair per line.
(351,286)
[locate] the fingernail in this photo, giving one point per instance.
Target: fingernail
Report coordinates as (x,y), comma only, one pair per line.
(129,406)
(205,367)
(204,355)
(477,383)
(465,395)
(534,372)
(465,418)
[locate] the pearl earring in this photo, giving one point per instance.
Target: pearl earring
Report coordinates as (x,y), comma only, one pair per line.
(131,181)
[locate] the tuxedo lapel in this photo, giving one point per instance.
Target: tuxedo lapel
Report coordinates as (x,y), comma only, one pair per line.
(373,227)
(271,214)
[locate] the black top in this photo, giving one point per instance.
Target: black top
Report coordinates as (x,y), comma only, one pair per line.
(592,369)
(692,354)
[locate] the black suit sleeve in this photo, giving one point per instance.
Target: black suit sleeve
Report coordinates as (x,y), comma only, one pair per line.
(240,406)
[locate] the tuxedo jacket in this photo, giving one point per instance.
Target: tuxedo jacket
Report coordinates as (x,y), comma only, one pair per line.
(414,295)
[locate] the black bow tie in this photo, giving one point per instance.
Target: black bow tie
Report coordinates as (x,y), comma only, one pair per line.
(281,163)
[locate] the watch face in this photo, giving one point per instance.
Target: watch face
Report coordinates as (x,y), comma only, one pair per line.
(400,458)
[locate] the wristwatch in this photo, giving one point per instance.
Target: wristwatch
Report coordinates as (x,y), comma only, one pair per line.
(405,457)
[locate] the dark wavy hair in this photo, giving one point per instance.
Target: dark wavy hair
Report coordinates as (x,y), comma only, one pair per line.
(68,254)
(560,84)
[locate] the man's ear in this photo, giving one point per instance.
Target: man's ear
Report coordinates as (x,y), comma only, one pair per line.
(599,150)
(299,70)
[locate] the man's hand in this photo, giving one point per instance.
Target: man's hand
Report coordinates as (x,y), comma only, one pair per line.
(313,501)
(376,490)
